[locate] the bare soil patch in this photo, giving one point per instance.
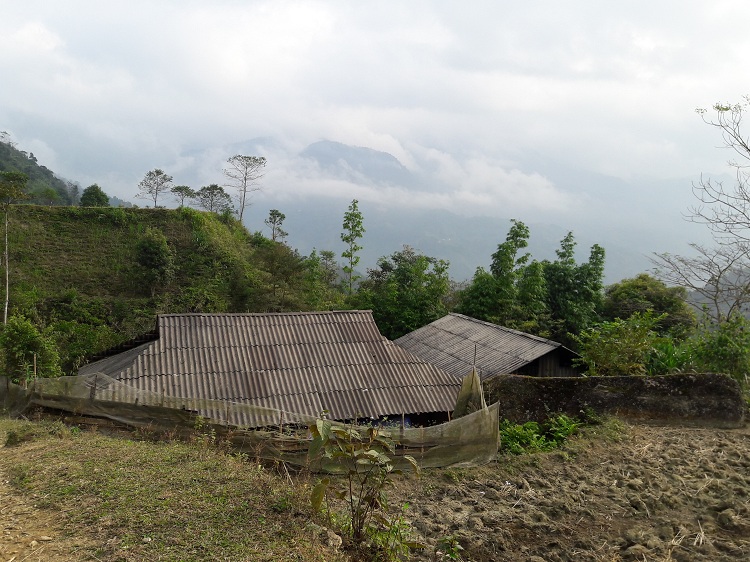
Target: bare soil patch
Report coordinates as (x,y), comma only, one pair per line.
(657,493)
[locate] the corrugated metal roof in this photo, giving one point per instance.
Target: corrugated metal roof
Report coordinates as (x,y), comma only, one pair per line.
(456,343)
(297,362)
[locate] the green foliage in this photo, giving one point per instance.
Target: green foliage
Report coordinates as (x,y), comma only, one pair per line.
(574,291)
(405,292)
(549,298)
(534,437)
(23,346)
(364,456)
(722,348)
(155,257)
(449,548)
(94,196)
(353,231)
(182,192)
(646,293)
(321,290)
(213,199)
(620,347)
(41,180)
(274,221)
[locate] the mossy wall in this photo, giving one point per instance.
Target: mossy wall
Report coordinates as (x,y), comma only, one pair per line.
(691,399)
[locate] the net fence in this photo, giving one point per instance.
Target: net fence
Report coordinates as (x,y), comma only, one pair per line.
(266,433)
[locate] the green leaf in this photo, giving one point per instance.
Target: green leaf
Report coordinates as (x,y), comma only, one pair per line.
(318,493)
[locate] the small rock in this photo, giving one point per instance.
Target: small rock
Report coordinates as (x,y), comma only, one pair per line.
(45,538)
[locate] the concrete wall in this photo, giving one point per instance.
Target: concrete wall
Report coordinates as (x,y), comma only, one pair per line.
(685,399)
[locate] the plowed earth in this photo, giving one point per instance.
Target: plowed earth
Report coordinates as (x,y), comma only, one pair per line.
(657,493)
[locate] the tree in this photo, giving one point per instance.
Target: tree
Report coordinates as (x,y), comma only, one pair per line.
(405,292)
(719,278)
(156,258)
(274,221)
(645,293)
(321,290)
(574,291)
(726,210)
(213,198)
(353,231)
(182,192)
(513,293)
(243,174)
(155,183)
(94,196)
(12,189)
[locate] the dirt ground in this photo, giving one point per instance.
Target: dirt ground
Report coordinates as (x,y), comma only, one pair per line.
(30,534)
(658,493)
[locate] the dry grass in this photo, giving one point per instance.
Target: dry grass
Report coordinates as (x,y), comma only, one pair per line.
(139,500)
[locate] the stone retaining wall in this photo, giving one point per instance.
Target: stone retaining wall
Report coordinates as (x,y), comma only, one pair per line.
(685,399)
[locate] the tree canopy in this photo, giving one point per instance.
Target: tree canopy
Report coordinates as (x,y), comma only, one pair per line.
(94,196)
(406,291)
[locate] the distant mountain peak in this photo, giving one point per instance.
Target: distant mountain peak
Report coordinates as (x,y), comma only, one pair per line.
(358,164)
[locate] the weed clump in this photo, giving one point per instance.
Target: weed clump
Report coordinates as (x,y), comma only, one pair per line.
(533,437)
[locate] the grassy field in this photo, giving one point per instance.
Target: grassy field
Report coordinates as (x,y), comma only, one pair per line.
(115,498)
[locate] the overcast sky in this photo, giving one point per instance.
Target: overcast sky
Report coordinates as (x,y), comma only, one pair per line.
(471,94)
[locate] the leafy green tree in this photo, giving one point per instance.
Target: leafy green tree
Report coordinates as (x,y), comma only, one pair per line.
(353,231)
(574,291)
(94,196)
(24,348)
(274,221)
(154,184)
(183,192)
(405,292)
(213,198)
(156,258)
(621,347)
(321,289)
(282,289)
(644,293)
(243,174)
(12,189)
(513,293)
(48,196)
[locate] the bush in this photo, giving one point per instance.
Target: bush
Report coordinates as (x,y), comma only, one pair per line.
(533,437)
(24,346)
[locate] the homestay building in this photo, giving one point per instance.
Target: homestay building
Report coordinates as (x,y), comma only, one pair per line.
(312,363)
(456,343)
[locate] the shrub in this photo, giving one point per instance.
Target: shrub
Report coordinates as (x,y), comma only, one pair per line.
(24,346)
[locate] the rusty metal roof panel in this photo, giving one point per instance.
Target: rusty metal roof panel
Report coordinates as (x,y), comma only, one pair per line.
(456,342)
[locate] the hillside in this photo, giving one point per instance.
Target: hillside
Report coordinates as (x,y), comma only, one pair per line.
(616,493)
(80,274)
(44,186)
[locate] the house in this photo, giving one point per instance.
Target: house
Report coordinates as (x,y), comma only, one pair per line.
(455,343)
(305,362)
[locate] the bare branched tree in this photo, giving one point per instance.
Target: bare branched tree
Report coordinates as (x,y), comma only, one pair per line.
(243,174)
(718,278)
(726,210)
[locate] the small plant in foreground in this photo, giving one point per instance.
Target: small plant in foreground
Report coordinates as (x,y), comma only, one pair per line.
(448,548)
(364,457)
